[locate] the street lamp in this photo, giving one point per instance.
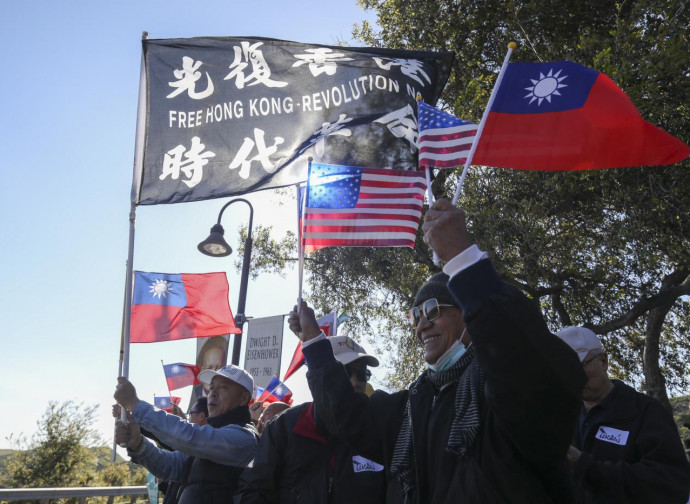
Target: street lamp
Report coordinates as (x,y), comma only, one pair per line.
(216,246)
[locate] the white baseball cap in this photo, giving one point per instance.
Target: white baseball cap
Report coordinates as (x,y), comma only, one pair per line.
(346,350)
(231,372)
(580,339)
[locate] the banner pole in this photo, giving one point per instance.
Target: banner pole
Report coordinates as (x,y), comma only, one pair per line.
(136,185)
(480,128)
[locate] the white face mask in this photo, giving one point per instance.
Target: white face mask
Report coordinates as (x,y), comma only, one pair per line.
(451,356)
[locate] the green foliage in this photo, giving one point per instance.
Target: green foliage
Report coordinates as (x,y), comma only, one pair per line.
(605,248)
(65,452)
(601,248)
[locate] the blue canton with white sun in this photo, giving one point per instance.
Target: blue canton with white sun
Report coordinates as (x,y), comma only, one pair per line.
(557,86)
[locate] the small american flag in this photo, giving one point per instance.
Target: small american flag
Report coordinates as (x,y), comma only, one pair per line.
(444,140)
(362,207)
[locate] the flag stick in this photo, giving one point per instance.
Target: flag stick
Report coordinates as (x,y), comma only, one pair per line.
(301,205)
(480,128)
(166,381)
(430,197)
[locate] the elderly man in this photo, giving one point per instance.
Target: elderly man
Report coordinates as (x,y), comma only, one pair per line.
(208,459)
(626,447)
(488,421)
(298,461)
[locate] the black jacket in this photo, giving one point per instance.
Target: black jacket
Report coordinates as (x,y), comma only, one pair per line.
(296,463)
(632,453)
(530,402)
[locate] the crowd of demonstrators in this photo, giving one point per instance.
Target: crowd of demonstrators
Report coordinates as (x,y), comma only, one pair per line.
(208,459)
(626,446)
(300,461)
(489,421)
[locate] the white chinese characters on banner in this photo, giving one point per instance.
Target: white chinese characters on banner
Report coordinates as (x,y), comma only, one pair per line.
(321,60)
(187,79)
(260,73)
(327,129)
(192,166)
(242,159)
(403,124)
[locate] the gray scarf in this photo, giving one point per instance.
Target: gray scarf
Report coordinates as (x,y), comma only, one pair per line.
(463,431)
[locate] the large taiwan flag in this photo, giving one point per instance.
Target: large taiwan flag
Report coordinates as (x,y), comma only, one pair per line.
(564,116)
(169,306)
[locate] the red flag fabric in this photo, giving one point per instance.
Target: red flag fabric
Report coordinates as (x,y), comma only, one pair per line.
(564,116)
(326,324)
(177,306)
(180,375)
(165,402)
(350,206)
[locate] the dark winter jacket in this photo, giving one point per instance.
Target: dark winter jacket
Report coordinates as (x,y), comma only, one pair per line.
(632,453)
(296,463)
(530,402)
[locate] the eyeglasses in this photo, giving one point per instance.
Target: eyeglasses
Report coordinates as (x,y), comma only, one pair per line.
(362,374)
(431,309)
(591,359)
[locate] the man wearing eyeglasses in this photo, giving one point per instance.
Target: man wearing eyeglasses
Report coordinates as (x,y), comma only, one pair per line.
(490,420)
(626,446)
(299,461)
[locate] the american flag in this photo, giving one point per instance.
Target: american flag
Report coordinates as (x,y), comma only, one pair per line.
(362,207)
(444,140)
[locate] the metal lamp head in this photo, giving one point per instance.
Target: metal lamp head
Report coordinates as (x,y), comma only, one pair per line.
(215,245)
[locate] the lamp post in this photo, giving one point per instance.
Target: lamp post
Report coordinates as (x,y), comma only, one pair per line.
(216,246)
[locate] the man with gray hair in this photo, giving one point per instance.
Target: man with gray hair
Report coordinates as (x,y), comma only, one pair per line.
(626,447)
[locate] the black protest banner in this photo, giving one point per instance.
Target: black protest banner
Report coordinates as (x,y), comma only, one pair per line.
(227,116)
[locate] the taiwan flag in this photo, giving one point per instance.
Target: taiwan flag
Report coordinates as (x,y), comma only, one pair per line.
(165,402)
(276,391)
(177,306)
(180,375)
(564,116)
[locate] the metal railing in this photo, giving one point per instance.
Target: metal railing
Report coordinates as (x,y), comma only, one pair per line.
(45,494)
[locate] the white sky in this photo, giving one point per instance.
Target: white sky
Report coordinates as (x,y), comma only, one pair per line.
(69,98)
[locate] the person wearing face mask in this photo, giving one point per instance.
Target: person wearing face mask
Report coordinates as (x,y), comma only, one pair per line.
(490,419)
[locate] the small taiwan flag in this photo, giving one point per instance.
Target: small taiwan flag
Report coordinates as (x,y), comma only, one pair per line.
(276,391)
(165,402)
(181,375)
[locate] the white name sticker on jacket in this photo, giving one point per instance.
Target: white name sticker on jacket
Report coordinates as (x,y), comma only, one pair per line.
(611,435)
(361,464)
